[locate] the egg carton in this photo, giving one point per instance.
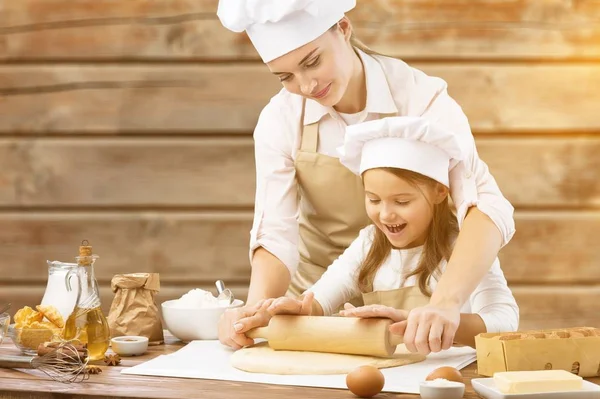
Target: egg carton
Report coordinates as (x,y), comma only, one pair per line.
(574,349)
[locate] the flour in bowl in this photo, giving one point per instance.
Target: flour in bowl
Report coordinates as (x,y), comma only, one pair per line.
(197,298)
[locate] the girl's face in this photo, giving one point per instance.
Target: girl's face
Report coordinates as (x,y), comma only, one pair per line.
(400,209)
(320,70)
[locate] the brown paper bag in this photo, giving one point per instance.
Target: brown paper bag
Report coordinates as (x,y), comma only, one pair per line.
(133,311)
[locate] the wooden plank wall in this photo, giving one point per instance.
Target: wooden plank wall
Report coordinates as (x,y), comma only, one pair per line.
(128,123)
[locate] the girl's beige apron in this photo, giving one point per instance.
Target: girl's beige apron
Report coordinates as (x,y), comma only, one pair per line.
(332,209)
(406,298)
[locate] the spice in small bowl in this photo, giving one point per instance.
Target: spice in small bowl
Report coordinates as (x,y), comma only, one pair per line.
(129,345)
(441,388)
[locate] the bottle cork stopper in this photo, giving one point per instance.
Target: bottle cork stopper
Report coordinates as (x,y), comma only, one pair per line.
(85,253)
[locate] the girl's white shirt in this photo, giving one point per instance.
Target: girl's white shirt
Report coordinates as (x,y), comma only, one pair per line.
(492,299)
(392,87)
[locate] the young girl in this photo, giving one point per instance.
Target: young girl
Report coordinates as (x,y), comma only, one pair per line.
(331,81)
(395,262)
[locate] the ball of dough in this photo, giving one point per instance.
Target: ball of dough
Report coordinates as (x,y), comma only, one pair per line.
(365,381)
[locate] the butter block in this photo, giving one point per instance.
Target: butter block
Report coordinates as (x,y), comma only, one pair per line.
(537,381)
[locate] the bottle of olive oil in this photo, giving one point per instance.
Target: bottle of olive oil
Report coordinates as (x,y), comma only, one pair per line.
(87,323)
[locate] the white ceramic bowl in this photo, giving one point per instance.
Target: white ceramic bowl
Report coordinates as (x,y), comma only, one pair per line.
(188,324)
(428,391)
(129,345)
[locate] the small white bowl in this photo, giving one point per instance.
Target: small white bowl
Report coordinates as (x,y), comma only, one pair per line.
(454,390)
(129,345)
(189,324)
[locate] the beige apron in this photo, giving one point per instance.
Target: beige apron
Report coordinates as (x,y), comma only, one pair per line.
(406,298)
(332,209)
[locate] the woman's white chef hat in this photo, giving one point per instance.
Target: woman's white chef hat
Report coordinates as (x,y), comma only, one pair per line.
(277,27)
(411,143)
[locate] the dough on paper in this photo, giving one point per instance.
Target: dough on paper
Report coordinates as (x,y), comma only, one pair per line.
(260,358)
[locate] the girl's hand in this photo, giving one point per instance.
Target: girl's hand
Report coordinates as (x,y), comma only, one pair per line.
(285,305)
(396,315)
(428,328)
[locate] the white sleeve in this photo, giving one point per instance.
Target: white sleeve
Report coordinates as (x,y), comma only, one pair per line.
(495,303)
(339,283)
(275,226)
(474,176)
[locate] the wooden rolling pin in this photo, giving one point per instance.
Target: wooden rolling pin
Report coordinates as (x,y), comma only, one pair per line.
(350,335)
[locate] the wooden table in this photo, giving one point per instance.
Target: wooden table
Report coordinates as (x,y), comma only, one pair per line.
(21,384)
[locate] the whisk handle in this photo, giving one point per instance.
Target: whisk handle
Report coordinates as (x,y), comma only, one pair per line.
(16,362)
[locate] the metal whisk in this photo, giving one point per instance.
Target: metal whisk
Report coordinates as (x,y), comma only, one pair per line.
(64,364)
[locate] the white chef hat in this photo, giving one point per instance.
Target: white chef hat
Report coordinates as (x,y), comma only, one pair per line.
(402,142)
(277,27)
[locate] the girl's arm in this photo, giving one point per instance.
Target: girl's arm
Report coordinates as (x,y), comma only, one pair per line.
(339,283)
(336,286)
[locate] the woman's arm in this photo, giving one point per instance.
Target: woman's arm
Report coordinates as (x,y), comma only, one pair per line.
(269,277)
(493,306)
(470,324)
(476,247)
(274,235)
(486,219)
(433,327)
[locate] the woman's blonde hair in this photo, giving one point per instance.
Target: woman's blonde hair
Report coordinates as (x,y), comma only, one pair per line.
(438,242)
(356,43)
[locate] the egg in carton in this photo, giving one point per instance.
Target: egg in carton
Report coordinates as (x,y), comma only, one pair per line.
(574,349)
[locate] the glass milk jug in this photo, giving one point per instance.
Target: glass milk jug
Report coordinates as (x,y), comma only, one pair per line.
(56,293)
(87,323)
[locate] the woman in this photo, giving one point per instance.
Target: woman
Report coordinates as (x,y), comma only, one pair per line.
(309,207)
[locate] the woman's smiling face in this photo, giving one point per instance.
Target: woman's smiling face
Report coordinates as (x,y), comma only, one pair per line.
(320,70)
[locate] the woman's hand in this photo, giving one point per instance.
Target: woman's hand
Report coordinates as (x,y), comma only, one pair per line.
(285,305)
(428,328)
(234,323)
(396,315)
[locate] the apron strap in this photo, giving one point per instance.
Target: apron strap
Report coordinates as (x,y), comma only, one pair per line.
(310,133)
(310,137)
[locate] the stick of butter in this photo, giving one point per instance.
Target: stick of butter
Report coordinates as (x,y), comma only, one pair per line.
(537,381)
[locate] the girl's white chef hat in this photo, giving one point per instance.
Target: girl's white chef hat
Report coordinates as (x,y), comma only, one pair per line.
(411,143)
(277,27)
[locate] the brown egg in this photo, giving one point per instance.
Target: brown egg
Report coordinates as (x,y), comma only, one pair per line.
(447,373)
(365,381)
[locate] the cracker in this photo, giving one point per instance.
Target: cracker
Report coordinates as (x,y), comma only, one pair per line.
(52,314)
(26,316)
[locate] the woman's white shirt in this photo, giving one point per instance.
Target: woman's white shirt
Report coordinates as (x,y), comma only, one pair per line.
(492,299)
(409,93)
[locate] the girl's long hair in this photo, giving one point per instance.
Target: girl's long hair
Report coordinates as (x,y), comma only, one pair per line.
(438,242)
